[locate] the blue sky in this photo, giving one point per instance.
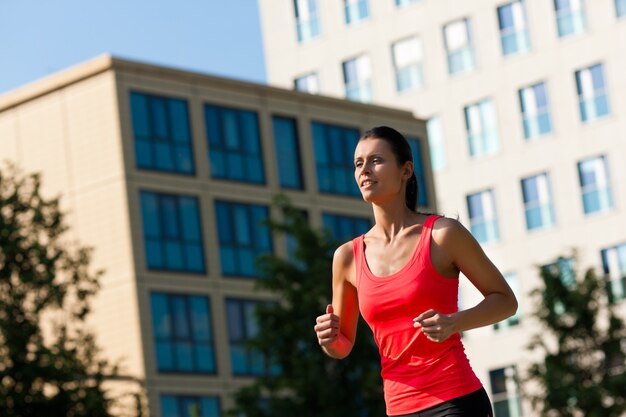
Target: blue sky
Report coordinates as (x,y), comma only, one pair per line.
(220,37)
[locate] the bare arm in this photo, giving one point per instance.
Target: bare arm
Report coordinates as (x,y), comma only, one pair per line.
(466,254)
(336,330)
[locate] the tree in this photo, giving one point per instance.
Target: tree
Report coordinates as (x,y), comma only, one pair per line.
(308,383)
(55,370)
(584,344)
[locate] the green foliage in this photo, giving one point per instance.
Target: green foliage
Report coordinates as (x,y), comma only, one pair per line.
(309,382)
(42,278)
(584,343)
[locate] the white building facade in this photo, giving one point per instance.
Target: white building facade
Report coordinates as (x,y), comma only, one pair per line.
(526,125)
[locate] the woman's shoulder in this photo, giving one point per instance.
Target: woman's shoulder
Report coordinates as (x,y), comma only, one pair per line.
(344,254)
(448,231)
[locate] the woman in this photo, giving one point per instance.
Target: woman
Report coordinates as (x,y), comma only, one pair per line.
(402,275)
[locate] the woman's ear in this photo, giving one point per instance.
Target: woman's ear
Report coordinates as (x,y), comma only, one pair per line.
(408,170)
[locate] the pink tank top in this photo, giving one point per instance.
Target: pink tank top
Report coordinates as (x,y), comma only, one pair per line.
(417,373)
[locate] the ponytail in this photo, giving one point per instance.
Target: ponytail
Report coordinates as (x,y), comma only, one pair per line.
(411,193)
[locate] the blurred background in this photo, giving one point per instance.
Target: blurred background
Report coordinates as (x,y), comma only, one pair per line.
(168,129)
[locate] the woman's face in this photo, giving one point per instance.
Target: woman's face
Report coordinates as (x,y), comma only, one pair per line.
(377,172)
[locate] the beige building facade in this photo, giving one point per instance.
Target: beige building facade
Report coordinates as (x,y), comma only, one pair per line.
(526,122)
(166,174)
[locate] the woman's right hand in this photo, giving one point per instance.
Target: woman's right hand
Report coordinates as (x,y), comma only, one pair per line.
(327,327)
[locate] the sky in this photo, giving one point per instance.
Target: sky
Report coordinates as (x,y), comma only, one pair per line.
(218,37)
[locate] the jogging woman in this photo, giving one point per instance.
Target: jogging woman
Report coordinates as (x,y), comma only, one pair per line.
(403,277)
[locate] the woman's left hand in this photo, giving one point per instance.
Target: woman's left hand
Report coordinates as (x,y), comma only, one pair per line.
(436,326)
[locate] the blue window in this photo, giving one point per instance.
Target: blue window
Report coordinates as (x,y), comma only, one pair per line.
(356,10)
(291,243)
(505,392)
(614,265)
(183,334)
(162,134)
(234,143)
(242,237)
(595,185)
(309,83)
(535,111)
(402,3)
(514,320)
(570,17)
(513,28)
(172,232)
(334,158)
(482,128)
(418,168)
(344,228)
(564,268)
(287,152)
(407,62)
(436,144)
(307,19)
(620,8)
(189,406)
(357,78)
(458,41)
(592,93)
(538,202)
(242,326)
(482,213)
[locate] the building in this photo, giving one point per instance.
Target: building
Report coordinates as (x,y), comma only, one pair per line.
(166,174)
(526,123)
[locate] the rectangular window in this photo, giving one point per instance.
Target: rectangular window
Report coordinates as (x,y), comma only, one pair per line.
(357,78)
(620,8)
(564,268)
(483,219)
(162,134)
(570,17)
(183,334)
(402,3)
(505,392)
(538,202)
(344,228)
(172,232)
(308,83)
(595,185)
(242,325)
(513,28)
(436,144)
(234,143)
(418,168)
(614,265)
(334,158)
(592,93)
(189,406)
(287,152)
(482,128)
(458,41)
(513,282)
(242,237)
(307,19)
(407,62)
(535,111)
(356,10)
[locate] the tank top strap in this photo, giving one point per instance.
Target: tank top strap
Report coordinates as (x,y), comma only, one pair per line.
(357,247)
(425,236)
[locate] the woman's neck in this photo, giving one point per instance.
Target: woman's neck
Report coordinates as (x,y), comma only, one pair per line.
(392,218)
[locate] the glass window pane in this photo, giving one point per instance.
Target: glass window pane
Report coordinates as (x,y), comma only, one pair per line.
(179,121)
(199,310)
(169,406)
(184,356)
